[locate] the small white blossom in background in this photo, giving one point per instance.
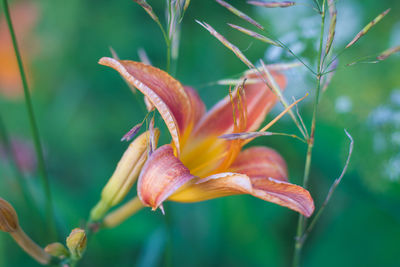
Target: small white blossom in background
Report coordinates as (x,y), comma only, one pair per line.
(343,104)
(392,168)
(384,122)
(381,115)
(379,143)
(396,138)
(273,54)
(395,95)
(310,26)
(395,35)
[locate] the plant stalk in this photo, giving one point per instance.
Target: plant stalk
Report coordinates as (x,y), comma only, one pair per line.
(32,121)
(302,220)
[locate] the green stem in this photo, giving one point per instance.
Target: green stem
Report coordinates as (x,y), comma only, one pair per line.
(167,43)
(168,56)
(34,128)
(302,221)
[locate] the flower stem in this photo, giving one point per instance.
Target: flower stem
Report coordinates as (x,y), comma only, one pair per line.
(118,216)
(31,248)
(34,128)
(302,221)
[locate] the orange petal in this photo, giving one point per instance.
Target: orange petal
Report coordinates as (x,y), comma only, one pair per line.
(25,15)
(260,162)
(225,184)
(161,176)
(167,94)
(259,100)
(285,194)
(198,107)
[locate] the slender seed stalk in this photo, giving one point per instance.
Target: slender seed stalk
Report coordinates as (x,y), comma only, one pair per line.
(34,128)
(301,222)
(330,192)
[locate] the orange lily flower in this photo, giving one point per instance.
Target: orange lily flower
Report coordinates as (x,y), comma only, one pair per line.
(198,165)
(25,15)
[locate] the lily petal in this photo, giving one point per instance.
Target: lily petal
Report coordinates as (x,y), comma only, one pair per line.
(260,161)
(198,106)
(205,153)
(198,109)
(259,100)
(163,91)
(285,194)
(225,184)
(161,176)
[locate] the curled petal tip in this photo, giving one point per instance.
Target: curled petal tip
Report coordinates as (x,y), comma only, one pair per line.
(105,60)
(161,176)
(162,91)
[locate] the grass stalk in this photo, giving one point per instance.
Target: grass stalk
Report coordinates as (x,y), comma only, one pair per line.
(302,221)
(34,129)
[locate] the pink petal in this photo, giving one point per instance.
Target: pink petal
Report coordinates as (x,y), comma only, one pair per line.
(260,162)
(285,194)
(161,176)
(198,107)
(225,184)
(167,94)
(259,100)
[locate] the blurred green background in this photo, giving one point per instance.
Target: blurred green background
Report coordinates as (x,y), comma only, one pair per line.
(83,109)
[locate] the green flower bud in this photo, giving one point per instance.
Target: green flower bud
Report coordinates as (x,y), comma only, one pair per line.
(76,243)
(57,250)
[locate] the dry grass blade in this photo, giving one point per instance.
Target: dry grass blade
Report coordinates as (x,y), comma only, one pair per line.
(368,27)
(306,135)
(332,25)
(132,132)
(114,53)
(236,81)
(387,53)
(278,66)
(252,135)
(266,127)
(143,56)
(148,9)
(330,75)
(152,140)
(135,129)
(226,43)
(254,34)
(239,13)
(187,2)
(273,85)
(272,4)
(244,136)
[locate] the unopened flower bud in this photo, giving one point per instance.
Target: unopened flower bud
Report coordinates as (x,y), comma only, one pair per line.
(57,250)
(9,223)
(8,217)
(76,243)
(125,175)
